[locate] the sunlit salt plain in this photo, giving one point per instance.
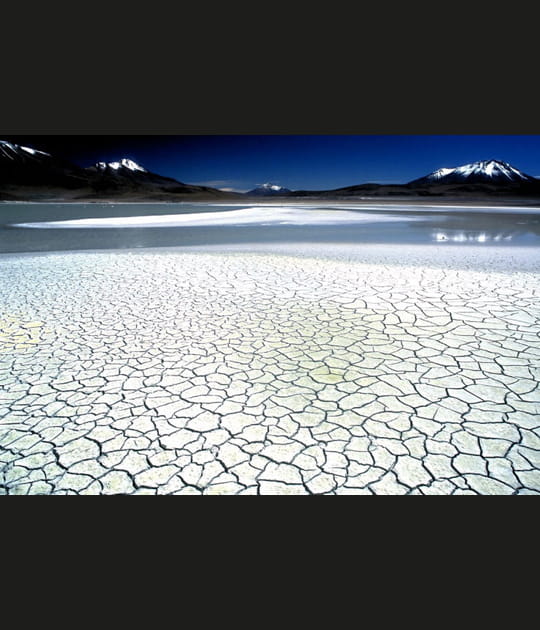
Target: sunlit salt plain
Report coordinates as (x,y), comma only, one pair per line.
(254,215)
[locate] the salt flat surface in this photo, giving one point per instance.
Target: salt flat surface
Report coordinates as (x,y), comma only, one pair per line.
(281,370)
(403,207)
(270,214)
(255,215)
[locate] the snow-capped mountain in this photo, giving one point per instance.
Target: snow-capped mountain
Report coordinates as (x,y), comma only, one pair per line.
(269,190)
(26,174)
(483,172)
(17,152)
(123,165)
(25,166)
(127,174)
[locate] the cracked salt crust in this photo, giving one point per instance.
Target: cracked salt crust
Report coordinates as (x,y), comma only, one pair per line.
(153,373)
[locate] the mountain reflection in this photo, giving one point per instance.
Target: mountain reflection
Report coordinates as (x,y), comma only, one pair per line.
(471,237)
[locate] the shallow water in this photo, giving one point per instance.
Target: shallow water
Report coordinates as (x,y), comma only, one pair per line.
(60,227)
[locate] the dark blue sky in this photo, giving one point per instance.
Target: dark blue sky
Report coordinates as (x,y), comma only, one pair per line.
(297,162)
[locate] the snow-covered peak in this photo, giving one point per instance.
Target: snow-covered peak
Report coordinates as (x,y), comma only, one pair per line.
(269,189)
(485,171)
(441,173)
(129,164)
(11,150)
(269,186)
(491,168)
(125,163)
(34,151)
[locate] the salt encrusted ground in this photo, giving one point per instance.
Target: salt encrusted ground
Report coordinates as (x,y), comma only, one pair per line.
(158,372)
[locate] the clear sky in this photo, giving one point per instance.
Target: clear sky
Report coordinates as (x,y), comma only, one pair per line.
(297,162)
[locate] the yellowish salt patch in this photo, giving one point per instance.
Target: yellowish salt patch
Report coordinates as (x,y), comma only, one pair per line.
(17,334)
(32,325)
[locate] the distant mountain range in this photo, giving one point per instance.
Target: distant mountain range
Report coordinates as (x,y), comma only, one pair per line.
(30,175)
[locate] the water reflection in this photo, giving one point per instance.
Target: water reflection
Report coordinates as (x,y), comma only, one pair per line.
(471,237)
